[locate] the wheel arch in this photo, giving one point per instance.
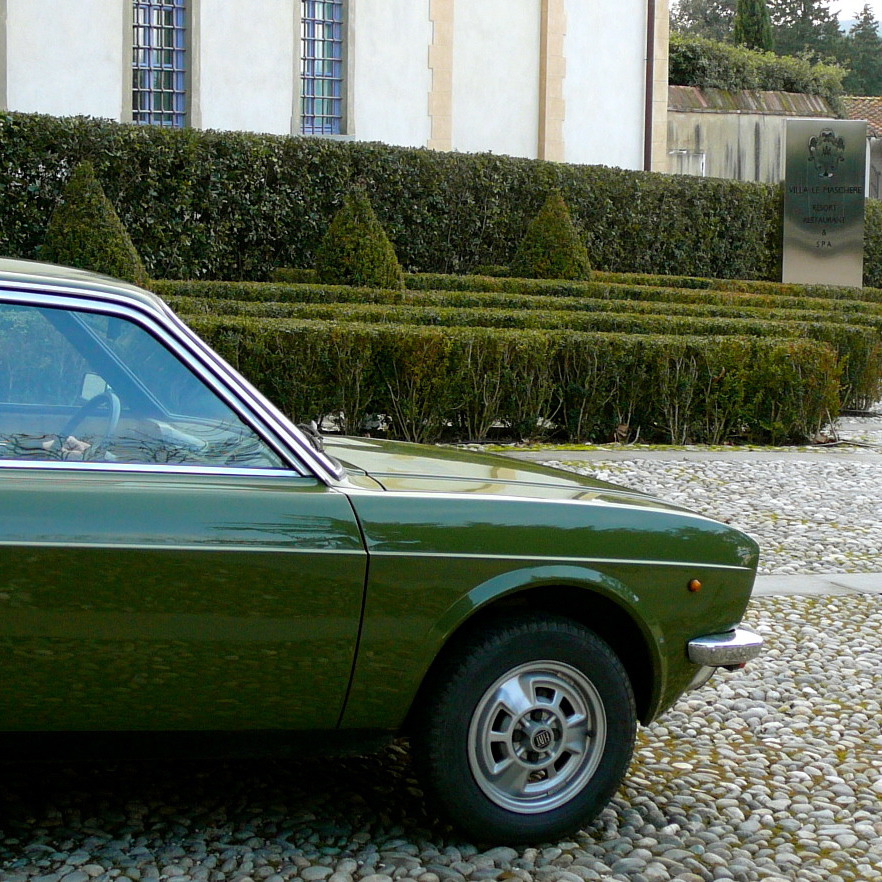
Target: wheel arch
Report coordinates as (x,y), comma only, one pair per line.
(599,607)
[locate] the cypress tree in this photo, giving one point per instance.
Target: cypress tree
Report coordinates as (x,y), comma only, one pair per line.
(752,26)
(865,55)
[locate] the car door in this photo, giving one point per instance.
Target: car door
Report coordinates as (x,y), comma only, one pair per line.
(164,565)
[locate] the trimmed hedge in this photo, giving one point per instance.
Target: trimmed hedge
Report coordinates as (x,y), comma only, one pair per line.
(84,231)
(593,295)
(858,348)
(597,298)
(356,250)
(640,281)
(552,247)
(432,382)
(232,205)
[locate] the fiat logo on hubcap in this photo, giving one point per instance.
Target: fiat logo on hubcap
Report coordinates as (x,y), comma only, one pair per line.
(542,739)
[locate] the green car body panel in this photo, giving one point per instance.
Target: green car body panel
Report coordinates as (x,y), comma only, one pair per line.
(455,532)
(316,597)
(143,602)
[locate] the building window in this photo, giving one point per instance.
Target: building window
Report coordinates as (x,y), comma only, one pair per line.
(159,57)
(322,67)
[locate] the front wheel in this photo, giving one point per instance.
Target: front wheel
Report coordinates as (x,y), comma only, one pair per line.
(529,731)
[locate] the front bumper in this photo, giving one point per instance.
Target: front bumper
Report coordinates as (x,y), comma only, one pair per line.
(731,649)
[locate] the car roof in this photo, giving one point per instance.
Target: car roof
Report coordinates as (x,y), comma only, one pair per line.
(47,275)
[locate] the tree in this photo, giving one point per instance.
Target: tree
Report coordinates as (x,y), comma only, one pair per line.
(85,231)
(552,247)
(806,27)
(864,55)
(752,26)
(356,250)
(704,18)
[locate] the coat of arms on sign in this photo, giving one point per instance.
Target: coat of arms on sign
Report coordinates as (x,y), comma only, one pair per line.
(826,150)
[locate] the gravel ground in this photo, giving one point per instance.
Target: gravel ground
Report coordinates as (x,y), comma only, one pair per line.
(771,773)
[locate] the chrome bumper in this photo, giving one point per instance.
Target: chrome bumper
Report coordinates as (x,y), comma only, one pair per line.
(728,650)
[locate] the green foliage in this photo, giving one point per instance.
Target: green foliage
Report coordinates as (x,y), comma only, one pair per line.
(292,274)
(711,19)
(805,28)
(864,55)
(582,385)
(552,247)
(223,205)
(227,205)
(84,231)
(612,293)
(651,287)
(356,250)
(857,345)
(873,247)
(799,28)
(707,64)
(752,26)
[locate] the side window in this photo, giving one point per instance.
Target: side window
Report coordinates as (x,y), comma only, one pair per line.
(94,387)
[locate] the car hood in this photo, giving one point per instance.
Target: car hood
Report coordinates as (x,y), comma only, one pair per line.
(399,467)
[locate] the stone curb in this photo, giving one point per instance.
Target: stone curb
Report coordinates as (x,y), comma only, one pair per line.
(826,585)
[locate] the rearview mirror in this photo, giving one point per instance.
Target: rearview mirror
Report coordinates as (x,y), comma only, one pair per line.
(92,385)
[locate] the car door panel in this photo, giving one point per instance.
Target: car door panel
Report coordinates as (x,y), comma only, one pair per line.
(171,601)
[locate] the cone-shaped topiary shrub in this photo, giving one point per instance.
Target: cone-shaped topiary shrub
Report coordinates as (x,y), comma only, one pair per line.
(356,249)
(552,247)
(85,231)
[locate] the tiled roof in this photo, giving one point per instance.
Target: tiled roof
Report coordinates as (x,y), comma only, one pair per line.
(689,99)
(869,109)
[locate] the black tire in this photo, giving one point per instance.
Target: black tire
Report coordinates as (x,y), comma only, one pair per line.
(500,741)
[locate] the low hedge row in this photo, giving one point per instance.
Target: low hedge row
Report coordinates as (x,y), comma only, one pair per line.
(557,295)
(597,298)
(432,382)
(858,348)
(443,282)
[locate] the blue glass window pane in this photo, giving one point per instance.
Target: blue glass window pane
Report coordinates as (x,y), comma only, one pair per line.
(322,67)
(159,62)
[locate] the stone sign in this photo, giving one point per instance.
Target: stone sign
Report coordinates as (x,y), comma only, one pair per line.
(824,191)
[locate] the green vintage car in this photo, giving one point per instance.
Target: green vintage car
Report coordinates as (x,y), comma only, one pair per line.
(178,560)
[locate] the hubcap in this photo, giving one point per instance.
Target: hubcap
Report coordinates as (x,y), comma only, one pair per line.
(537,736)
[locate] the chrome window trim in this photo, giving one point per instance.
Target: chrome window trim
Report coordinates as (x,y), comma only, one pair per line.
(158,319)
(247,390)
(148,468)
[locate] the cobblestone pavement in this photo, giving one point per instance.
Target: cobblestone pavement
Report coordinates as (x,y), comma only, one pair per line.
(772,773)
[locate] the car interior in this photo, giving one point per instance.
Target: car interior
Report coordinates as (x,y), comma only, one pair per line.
(100,388)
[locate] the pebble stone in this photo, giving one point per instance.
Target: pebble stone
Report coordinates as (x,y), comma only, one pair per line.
(772,773)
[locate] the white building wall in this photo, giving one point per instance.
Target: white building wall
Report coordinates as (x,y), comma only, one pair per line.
(65,58)
(605,83)
(69,57)
(389,65)
(248,65)
(496,76)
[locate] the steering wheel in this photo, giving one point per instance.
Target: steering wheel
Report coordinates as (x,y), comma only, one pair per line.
(90,408)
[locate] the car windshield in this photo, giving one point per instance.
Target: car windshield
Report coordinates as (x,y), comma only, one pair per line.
(78,385)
